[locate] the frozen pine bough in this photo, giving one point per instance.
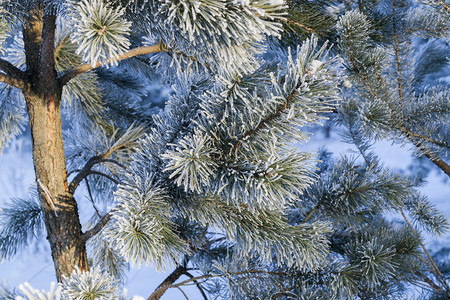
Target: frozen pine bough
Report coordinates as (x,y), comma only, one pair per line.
(215,186)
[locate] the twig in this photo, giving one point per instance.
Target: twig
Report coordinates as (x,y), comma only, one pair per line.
(302,26)
(184,294)
(310,213)
(104,175)
(92,198)
(197,284)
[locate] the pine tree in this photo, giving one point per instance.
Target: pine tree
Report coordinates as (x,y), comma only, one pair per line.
(215,182)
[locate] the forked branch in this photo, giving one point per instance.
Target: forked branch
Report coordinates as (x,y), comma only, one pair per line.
(86,170)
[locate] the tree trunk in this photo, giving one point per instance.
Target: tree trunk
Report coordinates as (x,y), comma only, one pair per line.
(59,206)
(43,97)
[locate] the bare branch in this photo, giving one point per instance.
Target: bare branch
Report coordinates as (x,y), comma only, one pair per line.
(104,175)
(112,161)
(197,284)
(311,213)
(159,47)
(184,294)
(161,289)
(92,198)
(96,229)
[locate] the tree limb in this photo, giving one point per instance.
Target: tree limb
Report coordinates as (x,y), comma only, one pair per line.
(18,83)
(96,229)
(11,70)
(168,282)
(86,170)
(70,74)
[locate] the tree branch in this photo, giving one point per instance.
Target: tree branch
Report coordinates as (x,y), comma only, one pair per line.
(304,27)
(104,175)
(92,198)
(14,76)
(168,282)
(70,74)
(86,170)
(18,83)
(311,213)
(197,284)
(11,70)
(436,270)
(83,173)
(263,123)
(96,229)
(434,158)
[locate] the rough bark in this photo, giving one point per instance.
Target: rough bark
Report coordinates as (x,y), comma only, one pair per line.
(43,96)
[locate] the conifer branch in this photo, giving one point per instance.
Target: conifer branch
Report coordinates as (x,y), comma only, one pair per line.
(412,134)
(96,229)
(437,272)
(263,123)
(397,58)
(409,134)
(13,75)
(69,75)
(432,157)
(311,213)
